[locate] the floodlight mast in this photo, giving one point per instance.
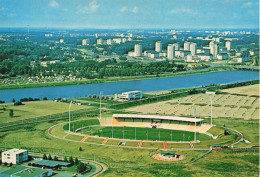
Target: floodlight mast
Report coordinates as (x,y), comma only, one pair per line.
(195,114)
(100,96)
(210,99)
(69,114)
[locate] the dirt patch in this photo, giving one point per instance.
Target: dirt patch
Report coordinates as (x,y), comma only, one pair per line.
(162,158)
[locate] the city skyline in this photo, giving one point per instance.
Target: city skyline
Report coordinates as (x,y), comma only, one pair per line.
(198,14)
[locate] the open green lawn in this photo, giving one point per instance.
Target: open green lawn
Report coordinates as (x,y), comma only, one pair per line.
(153,134)
(134,162)
(35,109)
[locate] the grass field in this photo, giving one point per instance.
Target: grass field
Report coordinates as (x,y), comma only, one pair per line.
(224,105)
(136,162)
(247,90)
(35,109)
(144,134)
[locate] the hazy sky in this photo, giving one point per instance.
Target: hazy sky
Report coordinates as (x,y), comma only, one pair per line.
(130,13)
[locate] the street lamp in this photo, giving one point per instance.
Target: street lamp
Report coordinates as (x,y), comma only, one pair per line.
(69,114)
(210,99)
(100,96)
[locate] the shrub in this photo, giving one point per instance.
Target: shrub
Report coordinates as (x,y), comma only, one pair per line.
(18,103)
(44,157)
(11,113)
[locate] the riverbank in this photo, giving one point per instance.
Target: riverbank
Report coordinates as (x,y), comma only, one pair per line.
(113,79)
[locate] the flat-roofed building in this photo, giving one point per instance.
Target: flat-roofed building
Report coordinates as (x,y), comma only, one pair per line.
(177,46)
(15,156)
(214,49)
(99,41)
(186,46)
(228,45)
(222,56)
(193,49)
(85,42)
(170,51)
(158,46)
(205,57)
(138,50)
(132,95)
(243,56)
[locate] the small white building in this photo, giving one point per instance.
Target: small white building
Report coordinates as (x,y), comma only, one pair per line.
(132,95)
(15,156)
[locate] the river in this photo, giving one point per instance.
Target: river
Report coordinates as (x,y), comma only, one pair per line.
(109,88)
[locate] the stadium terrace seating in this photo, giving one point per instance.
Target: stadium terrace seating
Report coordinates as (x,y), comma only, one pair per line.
(117,122)
(106,121)
(166,124)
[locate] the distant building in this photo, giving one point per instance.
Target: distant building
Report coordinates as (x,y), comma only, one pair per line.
(193,49)
(213,49)
(158,46)
(243,56)
(85,42)
(138,50)
(15,156)
(151,54)
(254,52)
(177,46)
(186,46)
(44,63)
(117,40)
(205,57)
(48,35)
(109,41)
(222,56)
(99,41)
(170,51)
(228,45)
(132,95)
(162,54)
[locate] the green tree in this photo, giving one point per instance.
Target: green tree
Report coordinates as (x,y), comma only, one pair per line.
(44,157)
(81,167)
(49,157)
(55,158)
(11,113)
(80,148)
(13,100)
(71,160)
(76,161)
(65,159)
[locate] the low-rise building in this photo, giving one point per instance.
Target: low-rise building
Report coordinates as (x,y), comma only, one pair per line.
(15,156)
(222,56)
(243,56)
(132,95)
(205,57)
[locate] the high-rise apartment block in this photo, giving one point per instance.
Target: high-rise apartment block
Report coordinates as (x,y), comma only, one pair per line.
(158,46)
(170,51)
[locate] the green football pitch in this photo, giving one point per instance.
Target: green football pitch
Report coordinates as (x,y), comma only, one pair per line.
(154,134)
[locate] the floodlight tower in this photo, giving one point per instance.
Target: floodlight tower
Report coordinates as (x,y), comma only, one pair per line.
(210,99)
(100,96)
(69,114)
(195,114)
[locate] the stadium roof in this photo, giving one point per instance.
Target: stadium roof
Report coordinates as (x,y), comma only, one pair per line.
(136,116)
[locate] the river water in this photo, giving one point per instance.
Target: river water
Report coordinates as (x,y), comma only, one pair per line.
(109,88)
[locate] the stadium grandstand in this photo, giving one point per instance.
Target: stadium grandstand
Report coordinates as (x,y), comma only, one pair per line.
(156,121)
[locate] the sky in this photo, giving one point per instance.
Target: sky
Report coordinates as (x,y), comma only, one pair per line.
(130,14)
